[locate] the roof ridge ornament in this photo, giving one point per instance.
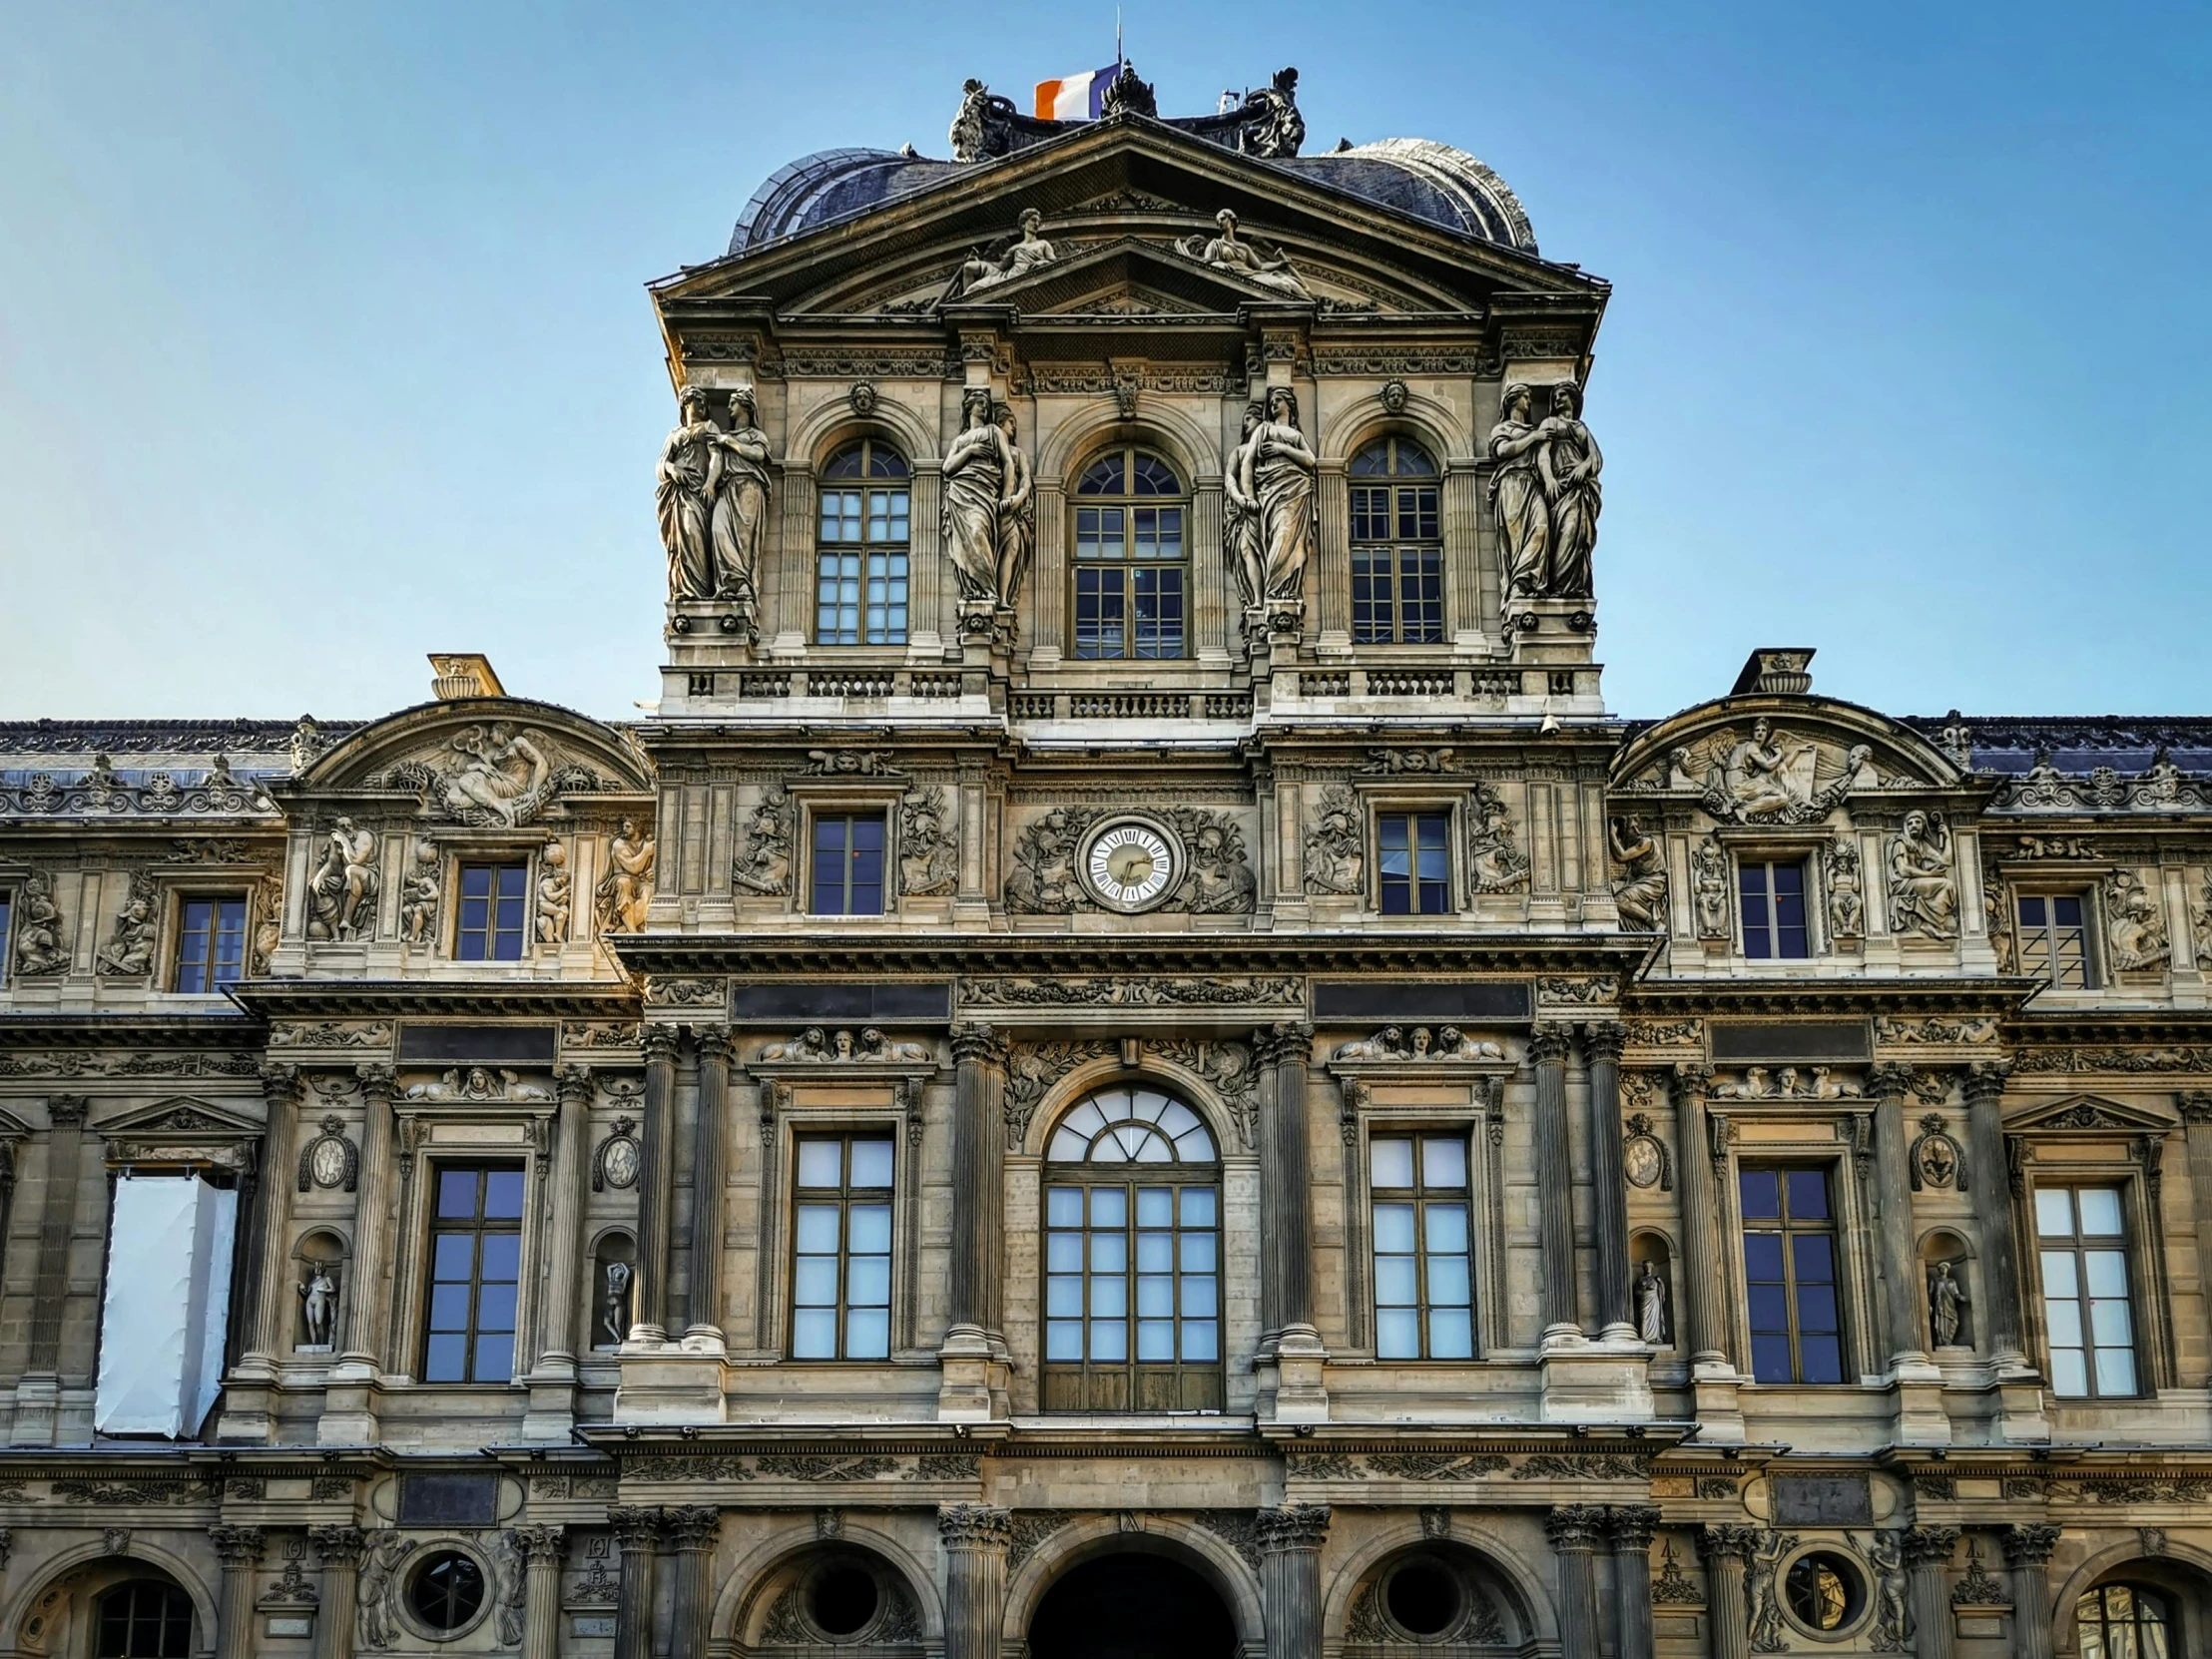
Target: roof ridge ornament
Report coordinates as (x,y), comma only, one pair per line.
(1773,670)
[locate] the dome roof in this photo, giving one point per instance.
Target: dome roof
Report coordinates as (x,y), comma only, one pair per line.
(1433,181)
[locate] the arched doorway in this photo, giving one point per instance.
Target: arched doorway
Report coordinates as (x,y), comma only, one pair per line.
(1132,1607)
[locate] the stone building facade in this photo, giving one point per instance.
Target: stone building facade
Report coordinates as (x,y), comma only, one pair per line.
(1129,1059)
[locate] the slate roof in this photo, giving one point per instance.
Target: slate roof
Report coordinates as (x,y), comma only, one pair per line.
(2076,744)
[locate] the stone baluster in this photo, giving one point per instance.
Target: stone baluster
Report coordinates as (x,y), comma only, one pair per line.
(2028,1552)
(1697,1280)
(338,1549)
(1902,1277)
(368,1297)
(690,1531)
(1628,1528)
(1601,1045)
(1286,1197)
(1727,1551)
(1573,1529)
(238,1549)
(544,1550)
(638,1532)
(709,1178)
(1547,1052)
(1291,1538)
(974,1538)
(558,1347)
(1993,1207)
(1928,1552)
(656,1187)
(978,1059)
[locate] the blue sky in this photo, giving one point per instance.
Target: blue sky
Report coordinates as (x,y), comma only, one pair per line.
(323,342)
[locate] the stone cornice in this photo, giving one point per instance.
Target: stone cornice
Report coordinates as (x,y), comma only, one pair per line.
(474,998)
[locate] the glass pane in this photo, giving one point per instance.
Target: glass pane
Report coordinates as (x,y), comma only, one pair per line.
(1444,1161)
(502,1256)
(450,1307)
(1063,1206)
(1398,1334)
(1109,1340)
(1156,1338)
(1816,1306)
(1063,1340)
(2100,1211)
(1448,1281)
(868,1229)
(1394,1280)
(817,1229)
(1770,1358)
(1813,1255)
(2059,1274)
(1760,1193)
(2053,1210)
(1199,1295)
(1201,1339)
(1393,1227)
(446,1359)
(503,1194)
(1063,1296)
(2109,1325)
(1109,1205)
(1769,1306)
(457,1191)
(815,1334)
(1155,1253)
(1067,1146)
(2070,1373)
(1198,1205)
(1155,1296)
(815,1282)
(2115,1371)
(1819,1360)
(1451,1333)
(868,1282)
(1198,1253)
(820,1163)
(496,1307)
(496,1357)
(1446,1227)
(1392,1162)
(2106,1271)
(1763,1256)
(452,1254)
(871,1163)
(2062,1318)
(867,1334)
(1808,1195)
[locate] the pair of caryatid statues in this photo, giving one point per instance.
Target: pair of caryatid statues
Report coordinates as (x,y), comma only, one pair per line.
(1269,519)
(712,493)
(990,511)
(1545,494)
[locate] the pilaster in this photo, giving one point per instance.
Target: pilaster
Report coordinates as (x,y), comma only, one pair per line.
(1547,1054)
(690,1531)
(552,1413)
(1700,1280)
(349,1395)
(638,1532)
(1601,1045)
(38,1392)
(656,1189)
(709,1178)
(2028,1552)
(1928,1552)
(1290,1358)
(1291,1538)
(338,1549)
(1727,1551)
(543,1549)
(238,1549)
(973,1538)
(1574,1529)
(1921,1420)
(972,1358)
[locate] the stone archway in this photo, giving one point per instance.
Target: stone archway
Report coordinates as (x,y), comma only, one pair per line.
(1130,1604)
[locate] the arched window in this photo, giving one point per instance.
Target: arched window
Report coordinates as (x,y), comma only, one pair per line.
(144,1619)
(1397,550)
(1131,595)
(1132,1292)
(2125,1621)
(860,553)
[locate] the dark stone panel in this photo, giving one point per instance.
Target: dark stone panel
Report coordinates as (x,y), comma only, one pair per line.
(448,1499)
(1804,1039)
(813,1002)
(528,1044)
(1822,1500)
(1477,1001)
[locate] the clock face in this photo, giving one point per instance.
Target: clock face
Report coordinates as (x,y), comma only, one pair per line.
(1130,866)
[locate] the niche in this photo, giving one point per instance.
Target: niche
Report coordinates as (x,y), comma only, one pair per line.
(1651,1290)
(1947,1305)
(320,1263)
(613,1283)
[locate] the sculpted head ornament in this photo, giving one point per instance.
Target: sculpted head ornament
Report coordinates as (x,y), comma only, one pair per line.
(745,410)
(693,397)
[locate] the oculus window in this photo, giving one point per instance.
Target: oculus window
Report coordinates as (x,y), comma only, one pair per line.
(2082,1249)
(210,943)
(1797,1331)
(1397,552)
(860,549)
(841,1248)
(1131,585)
(1423,1289)
(476,1270)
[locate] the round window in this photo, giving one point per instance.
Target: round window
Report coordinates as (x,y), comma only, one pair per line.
(1422,1598)
(446,1591)
(842,1599)
(1825,1592)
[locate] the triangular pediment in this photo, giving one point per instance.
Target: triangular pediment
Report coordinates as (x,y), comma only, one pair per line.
(180,1118)
(11,1126)
(2086,1114)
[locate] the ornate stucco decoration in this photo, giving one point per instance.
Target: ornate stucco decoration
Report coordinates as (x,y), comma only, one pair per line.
(478,1083)
(1923,880)
(1118,991)
(764,863)
(1409,763)
(1336,844)
(819,1046)
(1415,1045)
(1843,879)
(1495,861)
(1228,1067)
(928,850)
(39,949)
(1641,895)
(1031,1071)
(1213,875)
(1936,1160)
(506,776)
(103,792)
(2161,788)
(129,952)
(1785,1083)
(2135,925)
(330,1160)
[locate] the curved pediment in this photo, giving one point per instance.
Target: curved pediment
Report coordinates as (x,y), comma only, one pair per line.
(498,762)
(1779,758)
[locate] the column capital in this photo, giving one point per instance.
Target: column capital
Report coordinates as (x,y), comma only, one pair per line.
(1891,1080)
(1548,1043)
(2196,1108)
(547,1542)
(1284,1041)
(281,1083)
(1930,1545)
(378,1080)
(975,1526)
(1719,1542)
(714,1042)
(972,1040)
(2029,1546)
(637,1529)
(1689,1080)
(1573,1528)
(660,1043)
(572,1081)
(1631,1527)
(1984,1081)
(66,1111)
(338,1546)
(1603,1039)
(691,1527)
(1292,1526)
(237,1546)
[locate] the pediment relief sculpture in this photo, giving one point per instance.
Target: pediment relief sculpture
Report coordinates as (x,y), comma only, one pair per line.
(1923,879)
(478,1083)
(1028,253)
(129,947)
(819,1046)
(1336,844)
(495,774)
(929,852)
(1416,1044)
(1495,861)
(1641,895)
(1226,251)
(341,893)
(2135,925)
(2086,1114)
(625,892)
(1767,775)
(763,863)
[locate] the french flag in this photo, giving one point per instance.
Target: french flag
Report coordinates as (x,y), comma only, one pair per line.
(1075,97)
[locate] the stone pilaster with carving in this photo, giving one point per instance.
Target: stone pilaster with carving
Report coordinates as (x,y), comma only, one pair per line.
(1290,1537)
(973,1538)
(1547,1056)
(656,1187)
(1574,1531)
(709,1179)
(268,1255)
(238,1549)
(638,1530)
(690,1531)
(558,1344)
(1927,1551)
(1727,1551)
(372,1221)
(2028,1553)
(1983,1086)
(1629,1528)
(1891,1085)
(973,1355)
(338,1549)
(1699,1281)
(1601,1047)
(544,1550)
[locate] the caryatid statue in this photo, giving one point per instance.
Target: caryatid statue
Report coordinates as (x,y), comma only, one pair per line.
(739,512)
(1017,512)
(1517,496)
(1240,528)
(1569,463)
(683,491)
(978,473)
(1279,469)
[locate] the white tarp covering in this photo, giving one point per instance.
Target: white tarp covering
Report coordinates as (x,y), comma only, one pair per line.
(167,1306)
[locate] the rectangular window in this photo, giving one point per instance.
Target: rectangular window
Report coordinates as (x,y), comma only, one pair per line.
(1773,910)
(491,914)
(2054,940)
(860,570)
(1398,596)
(1129,611)
(476,1270)
(841,1248)
(1424,1287)
(211,944)
(848,865)
(1797,1333)
(1417,869)
(2084,1250)
(1132,1297)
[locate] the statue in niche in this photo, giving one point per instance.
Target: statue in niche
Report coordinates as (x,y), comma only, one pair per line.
(345,884)
(765,865)
(1568,461)
(684,493)
(1017,511)
(1641,898)
(1240,530)
(553,894)
(614,1302)
(1947,1305)
(978,469)
(1030,253)
(129,950)
(418,896)
(1517,496)
(1243,258)
(1651,1305)
(625,892)
(1279,470)
(38,929)
(319,1302)
(1924,891)
(739,488)
(1274,128)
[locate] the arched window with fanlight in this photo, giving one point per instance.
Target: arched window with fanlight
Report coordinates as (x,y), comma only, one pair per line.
(1397,550)
(2125,1621)
(1131,1289)
(1132,594)
(142,1618)
(861,547)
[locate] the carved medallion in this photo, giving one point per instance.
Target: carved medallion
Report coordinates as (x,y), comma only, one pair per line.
(617,1162)
(329,1160)
(1644,1157)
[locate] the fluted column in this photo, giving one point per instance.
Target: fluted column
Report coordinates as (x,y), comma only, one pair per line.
(2028,1551)
(656,1187)
(690,1531)
(1048,576)
(1290,1538)
(1463,556)
(1927,1551)
(543,1549)
(638,1532)
(1333,578)
(790,589)
(1601,1045)
(368,1297)
(1993,1208)
(338,1549)
(1548,1051)
(709,1178)
(58,1226)
(1215,605)
(977,1137)
(1285,1189)
(265,1256)
(1894,1224)
(1628,1528)
(1727,1551)
(1697,1279)
(932,599)
(557,1343)
(2196,1118)
(1573,1529)
(238,1549)
(974,1538)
